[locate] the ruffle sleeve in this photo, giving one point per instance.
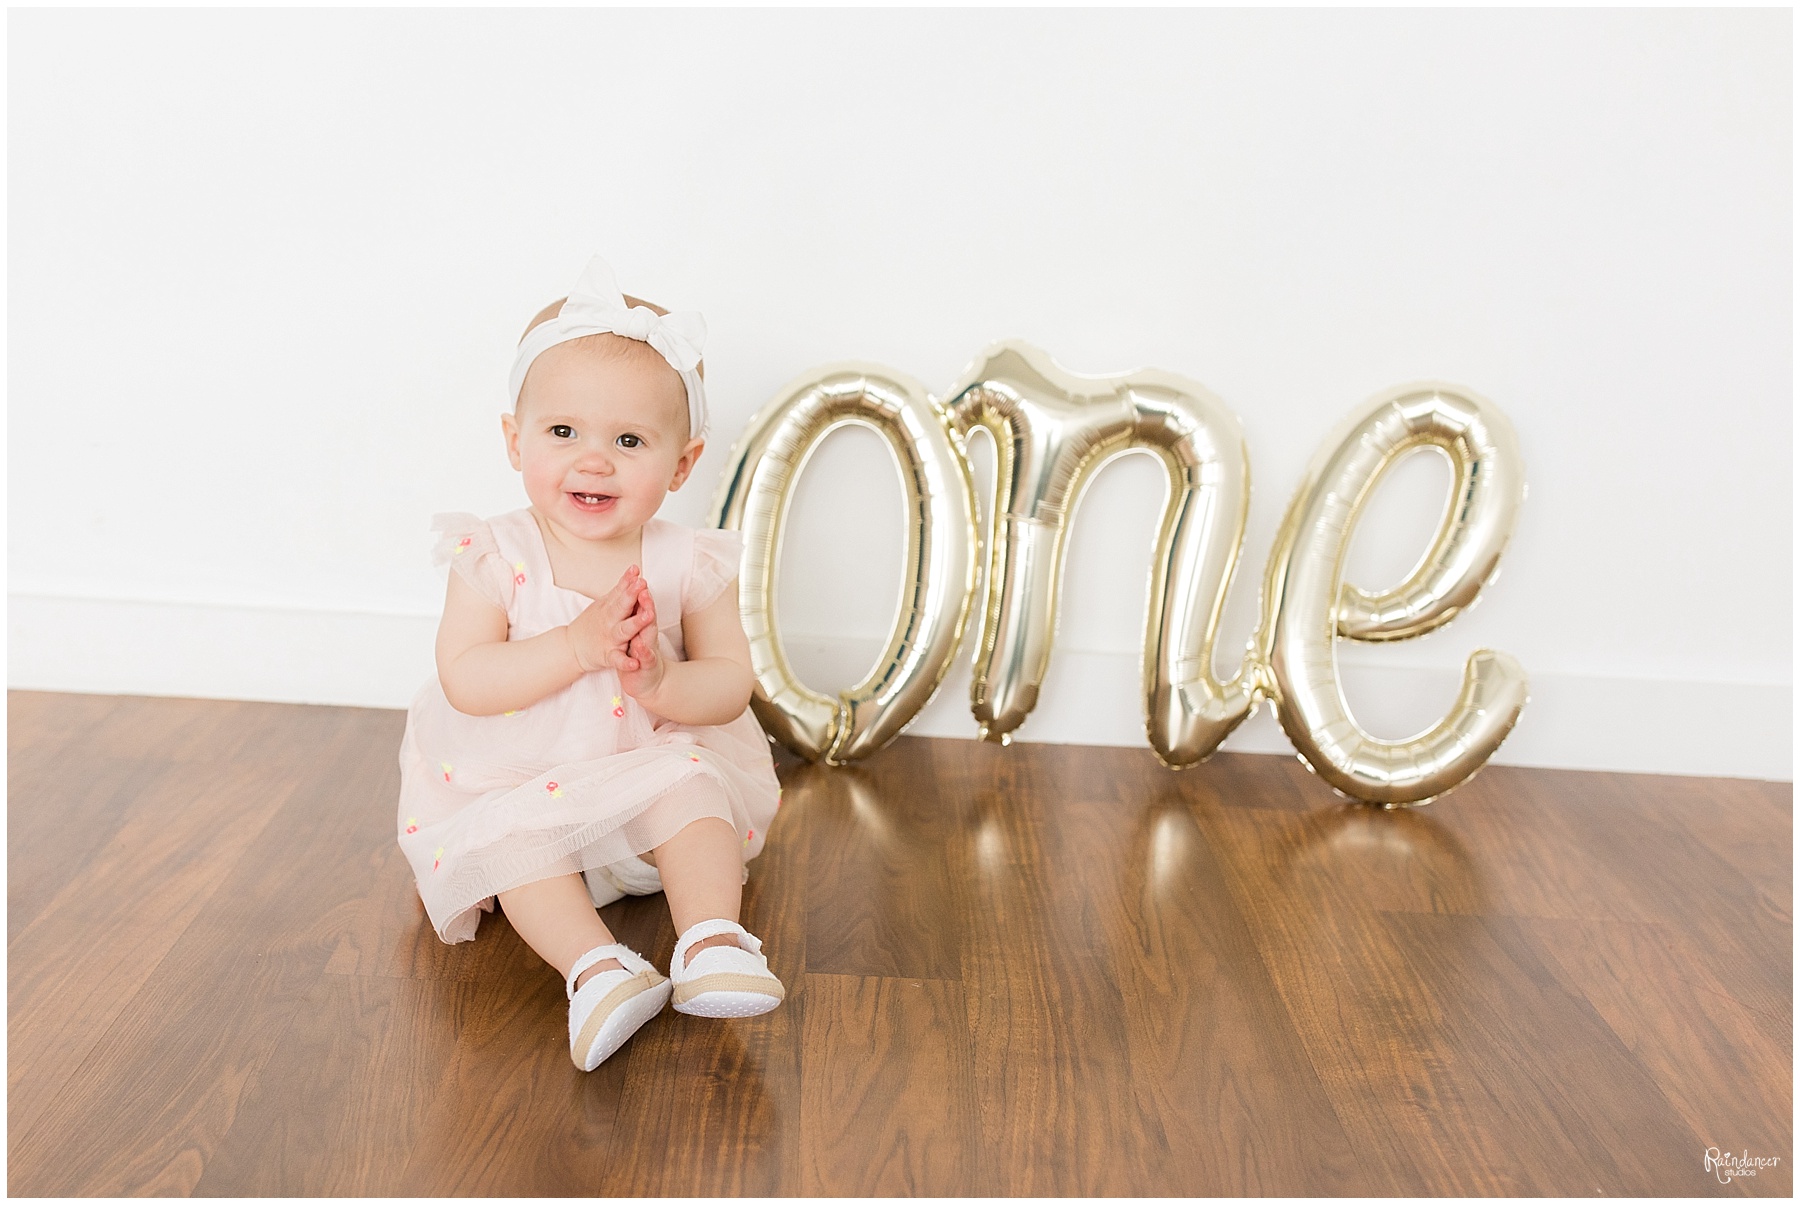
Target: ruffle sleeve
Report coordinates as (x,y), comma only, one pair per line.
(466,543)
(718,556)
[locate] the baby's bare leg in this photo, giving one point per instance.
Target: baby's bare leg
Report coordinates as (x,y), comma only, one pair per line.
(702,869)
(556,918)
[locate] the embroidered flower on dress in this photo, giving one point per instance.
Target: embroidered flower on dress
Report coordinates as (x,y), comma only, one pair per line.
(438,858)
(512,712)
(446,767)
(462,544)
(518,573)
(412,824)
(694,757)
(554,789)
(618,706)
(750,838)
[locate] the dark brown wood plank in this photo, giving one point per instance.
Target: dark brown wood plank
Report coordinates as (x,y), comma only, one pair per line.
(886,1101)
(41,727)
(1708,1054)
(1643,858)
(77,967)
(1733,817)
(387,931)
(195,731)
(46,721)
(162,1086)
(1414,1111)
(1212,1044)
(341,1103)
(1580,1111)
(1057,1105)
(69,800)
(68,808)
(882,827)
(59,818)
(1639,844)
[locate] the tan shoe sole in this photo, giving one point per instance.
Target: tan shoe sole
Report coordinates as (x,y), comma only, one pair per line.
(729,994)
(609,1006)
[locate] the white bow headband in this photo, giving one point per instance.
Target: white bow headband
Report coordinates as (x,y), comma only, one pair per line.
(595,306)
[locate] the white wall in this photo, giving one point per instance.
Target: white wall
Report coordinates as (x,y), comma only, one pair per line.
(266,269)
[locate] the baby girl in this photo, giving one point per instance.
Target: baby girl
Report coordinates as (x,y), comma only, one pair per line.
(587,735)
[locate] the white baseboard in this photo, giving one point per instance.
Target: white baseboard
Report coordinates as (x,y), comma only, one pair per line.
(202,651)
(1574,721)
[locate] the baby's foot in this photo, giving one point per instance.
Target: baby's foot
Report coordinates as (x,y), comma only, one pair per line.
(718,970)
(723,939)
(610,1004)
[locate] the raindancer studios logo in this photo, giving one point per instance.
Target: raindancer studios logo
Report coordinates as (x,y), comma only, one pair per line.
(1729,1166)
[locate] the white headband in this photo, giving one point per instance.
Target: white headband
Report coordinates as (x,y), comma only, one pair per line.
(595,306)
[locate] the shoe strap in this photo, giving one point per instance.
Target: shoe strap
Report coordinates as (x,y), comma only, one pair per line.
(628,958)
(706,929)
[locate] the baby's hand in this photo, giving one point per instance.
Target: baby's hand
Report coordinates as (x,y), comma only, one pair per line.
(604,630)
(642,670)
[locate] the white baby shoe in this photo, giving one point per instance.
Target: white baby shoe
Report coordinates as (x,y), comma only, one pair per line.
(612,1005)
(723,981)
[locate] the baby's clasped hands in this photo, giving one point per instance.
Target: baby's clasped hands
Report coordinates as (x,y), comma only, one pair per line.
(615,630)
(641,669)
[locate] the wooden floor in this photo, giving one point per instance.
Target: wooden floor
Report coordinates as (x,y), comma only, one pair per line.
(1036,970)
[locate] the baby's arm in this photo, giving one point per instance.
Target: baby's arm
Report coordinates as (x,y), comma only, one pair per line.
(713,685)
(484,673)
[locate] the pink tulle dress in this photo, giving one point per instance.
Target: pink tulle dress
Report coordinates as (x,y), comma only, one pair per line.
(586,779)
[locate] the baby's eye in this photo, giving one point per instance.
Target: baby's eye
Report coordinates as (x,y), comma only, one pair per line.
(629,440)
(563,431)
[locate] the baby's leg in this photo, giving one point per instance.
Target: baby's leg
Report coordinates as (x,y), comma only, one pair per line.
(556,918)
(702,869)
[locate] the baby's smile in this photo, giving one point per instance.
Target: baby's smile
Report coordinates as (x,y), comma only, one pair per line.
(592,502)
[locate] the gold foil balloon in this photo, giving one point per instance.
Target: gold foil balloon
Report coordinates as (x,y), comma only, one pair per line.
(1052,431)
(940,563)
(1307,605)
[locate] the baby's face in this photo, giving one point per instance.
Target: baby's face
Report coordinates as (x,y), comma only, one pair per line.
(601,437)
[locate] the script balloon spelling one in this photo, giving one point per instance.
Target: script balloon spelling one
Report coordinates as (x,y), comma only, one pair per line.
(1052,431)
